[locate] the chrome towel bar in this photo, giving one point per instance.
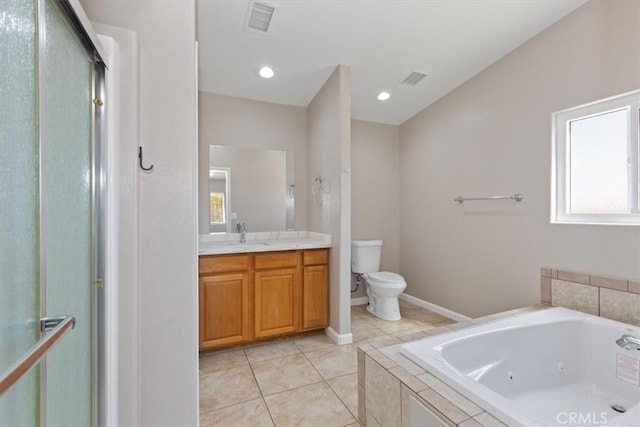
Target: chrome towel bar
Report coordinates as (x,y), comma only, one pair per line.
(517,197)
(56,328)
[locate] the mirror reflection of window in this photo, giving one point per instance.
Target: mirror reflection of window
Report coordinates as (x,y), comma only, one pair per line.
(218,199)
(217,208)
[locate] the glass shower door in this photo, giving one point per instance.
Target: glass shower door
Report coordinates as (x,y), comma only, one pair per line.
(67,226)
(19,260)
(46,214)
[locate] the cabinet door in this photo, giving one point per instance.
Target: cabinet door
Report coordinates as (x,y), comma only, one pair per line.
(276,301)
(315,296)
(224,309)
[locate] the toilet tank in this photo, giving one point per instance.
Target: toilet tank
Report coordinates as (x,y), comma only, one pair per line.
(365,256)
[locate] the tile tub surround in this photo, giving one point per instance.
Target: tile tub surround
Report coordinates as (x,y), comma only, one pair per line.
(387,379)
(611,297)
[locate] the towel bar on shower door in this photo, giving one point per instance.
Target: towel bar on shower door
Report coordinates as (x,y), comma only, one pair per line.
(56,328)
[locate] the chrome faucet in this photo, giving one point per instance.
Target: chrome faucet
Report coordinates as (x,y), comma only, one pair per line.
(629,342)
(242,229)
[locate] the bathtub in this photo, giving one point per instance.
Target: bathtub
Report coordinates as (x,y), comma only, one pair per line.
(555,367)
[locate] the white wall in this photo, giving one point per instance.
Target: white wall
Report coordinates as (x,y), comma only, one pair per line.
(168,281)
(122,259)
(375,190)
(491,136)
(328,156)
(257,185)
(225,120)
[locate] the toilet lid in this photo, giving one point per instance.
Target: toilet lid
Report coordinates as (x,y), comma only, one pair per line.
(386,276)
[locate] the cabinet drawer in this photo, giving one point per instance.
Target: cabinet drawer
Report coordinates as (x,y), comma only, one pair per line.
(223,263)
(316,257)
(276,260)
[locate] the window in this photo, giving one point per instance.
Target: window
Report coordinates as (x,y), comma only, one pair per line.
(217,208)
(595,162)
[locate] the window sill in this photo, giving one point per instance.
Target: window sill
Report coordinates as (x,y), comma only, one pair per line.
(556,222)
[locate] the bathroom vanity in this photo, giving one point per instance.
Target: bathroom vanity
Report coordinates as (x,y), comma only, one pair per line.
(259,290)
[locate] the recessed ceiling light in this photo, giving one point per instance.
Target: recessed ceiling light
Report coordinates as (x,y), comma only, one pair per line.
(383,96)
(266,72)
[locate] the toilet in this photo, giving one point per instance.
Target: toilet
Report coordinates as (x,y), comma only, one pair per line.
(383,287)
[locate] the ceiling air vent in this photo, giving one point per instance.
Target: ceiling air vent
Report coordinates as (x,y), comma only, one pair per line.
(259,16)
(413,78)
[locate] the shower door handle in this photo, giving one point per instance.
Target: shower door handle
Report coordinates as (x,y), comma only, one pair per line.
(56,328)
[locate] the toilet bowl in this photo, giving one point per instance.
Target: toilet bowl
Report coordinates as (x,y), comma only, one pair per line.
(383,287)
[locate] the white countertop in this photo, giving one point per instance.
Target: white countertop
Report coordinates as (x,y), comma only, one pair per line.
(214,244)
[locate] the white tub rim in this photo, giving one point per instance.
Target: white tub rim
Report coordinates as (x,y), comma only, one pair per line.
(499,405)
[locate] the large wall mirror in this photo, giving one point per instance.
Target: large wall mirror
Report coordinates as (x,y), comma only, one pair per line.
(250,186)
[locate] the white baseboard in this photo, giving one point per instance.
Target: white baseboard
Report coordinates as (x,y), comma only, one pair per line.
(340,339)
(435,308)
(359,301)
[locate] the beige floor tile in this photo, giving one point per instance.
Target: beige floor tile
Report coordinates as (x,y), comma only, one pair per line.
(314,342)
(361,321)
(222,360)
(228,387)
(381,341)
(359,314)
(427,328)
(389,327)
(336,361)
(359,311)
(253,413)
(405,332)
(365,331)
(425,317)
(284,373)
(296,395)
(309,406)
(405,305)
(271,351)
(346,387)
(410,336)
(435,330)
(371,421)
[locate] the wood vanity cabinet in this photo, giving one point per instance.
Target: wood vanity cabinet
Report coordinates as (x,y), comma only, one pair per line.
(225,287)
(248,297)
(315,292)
(277,292)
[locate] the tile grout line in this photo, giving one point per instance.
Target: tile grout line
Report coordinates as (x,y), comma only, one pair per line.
(324,380)
(235,403)
(342,401)
(264,401)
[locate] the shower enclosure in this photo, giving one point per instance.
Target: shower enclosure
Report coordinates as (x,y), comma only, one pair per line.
(51,233)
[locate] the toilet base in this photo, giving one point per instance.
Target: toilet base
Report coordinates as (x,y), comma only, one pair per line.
(384,308)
